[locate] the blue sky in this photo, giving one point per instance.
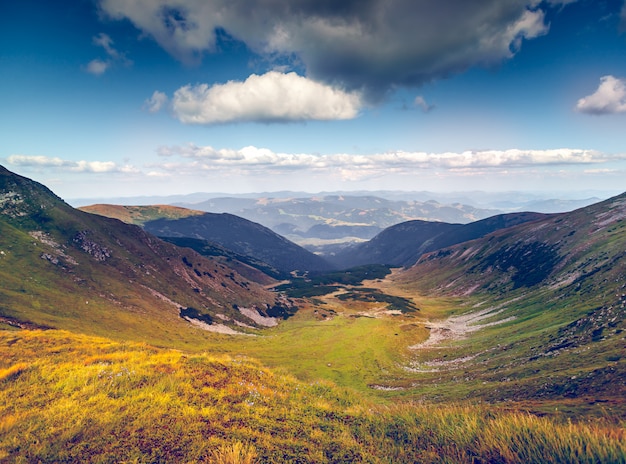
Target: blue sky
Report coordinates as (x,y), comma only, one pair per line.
(142,97)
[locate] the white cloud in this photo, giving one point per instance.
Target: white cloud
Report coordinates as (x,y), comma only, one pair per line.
(270,97)
(371,45)
(35,160)
(155,102)
(99,66)
(104,40)
(609,98)
(81,166)
(420,102)
(251,157)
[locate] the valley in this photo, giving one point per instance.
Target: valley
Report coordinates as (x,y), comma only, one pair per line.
(500,341)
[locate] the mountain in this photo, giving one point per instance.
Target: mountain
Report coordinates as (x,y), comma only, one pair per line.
(218,235)
(61,267)
(554,294)
(243,237)
(556,251)
(404,243)
(139,215)
(505,348)
(314,219)
(324,222)
(394,245)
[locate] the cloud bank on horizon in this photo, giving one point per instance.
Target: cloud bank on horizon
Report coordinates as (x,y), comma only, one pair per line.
(351,90)
(250,159)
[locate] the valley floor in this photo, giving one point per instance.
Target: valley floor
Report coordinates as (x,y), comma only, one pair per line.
(349,378)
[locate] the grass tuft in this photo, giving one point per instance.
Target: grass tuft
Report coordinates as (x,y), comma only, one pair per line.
(12,372)
(235,453)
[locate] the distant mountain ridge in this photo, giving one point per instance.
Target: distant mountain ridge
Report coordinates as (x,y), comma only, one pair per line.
(334,217)
(503,201)
(559,248)
(238,237)
(243,237)
(404,243)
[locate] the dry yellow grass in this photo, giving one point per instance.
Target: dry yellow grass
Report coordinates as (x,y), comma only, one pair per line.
(71,398)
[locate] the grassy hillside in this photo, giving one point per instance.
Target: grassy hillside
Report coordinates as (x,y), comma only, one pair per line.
(243,237)
(555,290)
(139,215)
(64,268)
(70,398)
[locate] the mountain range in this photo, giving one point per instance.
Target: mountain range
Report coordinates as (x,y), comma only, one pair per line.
(504,316)
(274,253)
(398,245)
(404,243)
(61,267)
(551,287)
(317,219)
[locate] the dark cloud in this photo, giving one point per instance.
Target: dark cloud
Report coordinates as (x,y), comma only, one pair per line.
(369,45)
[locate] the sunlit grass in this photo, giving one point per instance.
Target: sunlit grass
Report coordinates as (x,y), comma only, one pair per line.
(72,398)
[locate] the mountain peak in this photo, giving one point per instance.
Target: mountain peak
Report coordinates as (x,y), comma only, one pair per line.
(21,197)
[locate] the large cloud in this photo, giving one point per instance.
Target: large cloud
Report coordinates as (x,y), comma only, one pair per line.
(371,45)
(267,98)
(609,98)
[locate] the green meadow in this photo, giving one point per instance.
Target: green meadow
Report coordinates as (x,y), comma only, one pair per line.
(75,398)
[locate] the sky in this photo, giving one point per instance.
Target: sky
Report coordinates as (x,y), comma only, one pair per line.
(113,98)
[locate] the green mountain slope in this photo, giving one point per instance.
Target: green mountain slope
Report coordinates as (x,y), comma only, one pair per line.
(560,251)
(243,237)
(138,215)
(552,294)
(249,242)
(404,243)
(252,268)
(64,268)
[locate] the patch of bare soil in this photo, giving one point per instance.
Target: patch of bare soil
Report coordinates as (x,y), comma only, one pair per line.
(218,328)
(442,333)
(457,328)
